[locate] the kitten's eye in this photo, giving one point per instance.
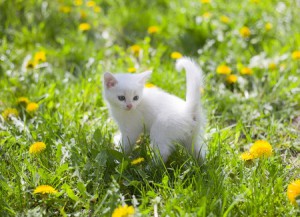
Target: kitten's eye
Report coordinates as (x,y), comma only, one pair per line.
(136,98)
(121,98)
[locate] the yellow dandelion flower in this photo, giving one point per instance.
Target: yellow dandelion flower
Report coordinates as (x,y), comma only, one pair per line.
(246,156)
(225,19)
(231,79)
(77,2)
(45,189)
(37,148)
(176,55)
(245,32)
(272,66)
(268,26)
(84,27)
(207,15)
(31,64)
(65,9)
(246,71)
(9,112)
(261,148)
(90,4)
(149,85)
(123,211)
(131,69)
(153,29)
(137,161)
(223,69)
(296,55)
(135,49)
(22,100)
(293,191)
(205,1)
(97,9)
(40,56)
(32,107)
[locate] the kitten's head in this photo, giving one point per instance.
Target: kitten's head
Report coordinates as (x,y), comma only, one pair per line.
(124,91)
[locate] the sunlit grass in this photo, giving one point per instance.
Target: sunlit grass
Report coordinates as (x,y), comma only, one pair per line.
(52,57)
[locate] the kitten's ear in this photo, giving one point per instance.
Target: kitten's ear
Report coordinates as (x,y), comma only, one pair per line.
(109,80)
(144,76)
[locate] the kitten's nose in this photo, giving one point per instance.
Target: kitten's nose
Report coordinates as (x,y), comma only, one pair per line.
(129,106)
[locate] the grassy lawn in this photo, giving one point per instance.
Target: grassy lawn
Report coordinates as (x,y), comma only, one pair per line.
(52,58)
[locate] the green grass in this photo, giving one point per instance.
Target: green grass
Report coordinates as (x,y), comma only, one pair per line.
(80,160)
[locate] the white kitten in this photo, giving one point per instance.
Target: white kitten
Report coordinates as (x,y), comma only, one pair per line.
(165,117)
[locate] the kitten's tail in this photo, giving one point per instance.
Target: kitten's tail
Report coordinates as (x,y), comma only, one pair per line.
(194,81)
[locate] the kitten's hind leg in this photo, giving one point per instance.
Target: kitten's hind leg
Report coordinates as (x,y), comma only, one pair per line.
(162,148)
(197,147)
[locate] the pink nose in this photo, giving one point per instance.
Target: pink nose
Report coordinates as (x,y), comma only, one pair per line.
(129,106)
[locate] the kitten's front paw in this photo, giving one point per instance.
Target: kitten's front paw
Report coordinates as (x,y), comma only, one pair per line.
(117,141)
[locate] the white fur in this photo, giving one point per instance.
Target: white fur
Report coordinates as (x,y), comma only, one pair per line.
(165,117)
